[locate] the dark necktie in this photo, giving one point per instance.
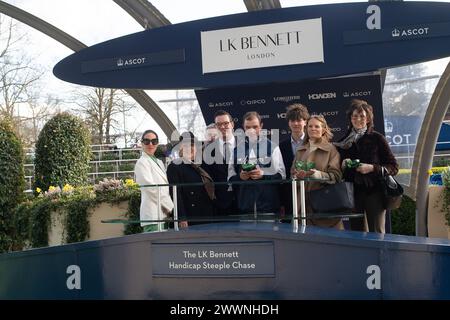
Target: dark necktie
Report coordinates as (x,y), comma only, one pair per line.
(225,151)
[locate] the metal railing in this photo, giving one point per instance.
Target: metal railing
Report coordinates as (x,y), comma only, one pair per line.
(96,172)
(298,213)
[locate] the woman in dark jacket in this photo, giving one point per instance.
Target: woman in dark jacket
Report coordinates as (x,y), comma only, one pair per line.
(192,201)
(370,147)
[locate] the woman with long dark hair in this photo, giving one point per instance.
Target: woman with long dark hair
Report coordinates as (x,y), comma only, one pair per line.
(371,148)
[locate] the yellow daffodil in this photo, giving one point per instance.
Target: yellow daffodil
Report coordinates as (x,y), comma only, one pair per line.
(38,190)
(67,188)
(51,188)
(129,182)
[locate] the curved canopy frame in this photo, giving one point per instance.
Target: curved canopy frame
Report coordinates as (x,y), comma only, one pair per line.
(72,43)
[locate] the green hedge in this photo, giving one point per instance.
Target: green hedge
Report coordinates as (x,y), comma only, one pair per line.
(12,182)
(403,219)
(62,153)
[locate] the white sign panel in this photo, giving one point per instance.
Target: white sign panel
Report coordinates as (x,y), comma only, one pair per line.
(266,45)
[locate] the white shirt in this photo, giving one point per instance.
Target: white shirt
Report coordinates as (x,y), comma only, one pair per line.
(231,143)
(296,144)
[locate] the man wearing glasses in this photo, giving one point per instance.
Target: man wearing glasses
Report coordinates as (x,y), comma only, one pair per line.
(150,170)
(216,159)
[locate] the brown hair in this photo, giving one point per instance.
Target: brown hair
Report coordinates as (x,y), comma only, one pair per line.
(326,129)
(297,111)
(250,115)
(359,106)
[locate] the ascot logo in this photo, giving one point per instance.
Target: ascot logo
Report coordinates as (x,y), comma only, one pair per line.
(396,33)
(388,126)
(220,104)
(130,62)
(357,94)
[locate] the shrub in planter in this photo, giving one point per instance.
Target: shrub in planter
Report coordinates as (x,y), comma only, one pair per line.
(404,218)
(62,153)
(12,182)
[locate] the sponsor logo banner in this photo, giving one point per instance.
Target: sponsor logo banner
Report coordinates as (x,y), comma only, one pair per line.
(135,61)
(432,30)
(266,45)
(328,97)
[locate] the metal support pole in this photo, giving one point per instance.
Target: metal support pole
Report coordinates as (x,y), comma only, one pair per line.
(159,208)
(302,203)
(294,206)
(175,208)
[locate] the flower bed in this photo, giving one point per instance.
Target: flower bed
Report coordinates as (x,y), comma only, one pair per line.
(67,215)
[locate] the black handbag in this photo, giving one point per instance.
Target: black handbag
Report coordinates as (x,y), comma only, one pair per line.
(392,190)
(333,198)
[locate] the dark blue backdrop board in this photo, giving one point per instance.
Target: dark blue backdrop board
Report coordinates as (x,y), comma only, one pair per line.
(170,57)
(330,97)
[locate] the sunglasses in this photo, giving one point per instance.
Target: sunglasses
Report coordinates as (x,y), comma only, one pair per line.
(148,141)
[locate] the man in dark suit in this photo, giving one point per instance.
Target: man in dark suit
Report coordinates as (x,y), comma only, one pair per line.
(216,158)
(296,115)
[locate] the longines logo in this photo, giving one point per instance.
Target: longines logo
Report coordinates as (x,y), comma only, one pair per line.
(130,62)
(265,116)
(220,104)
(253,102)
(357,94)
(286,98)
(318,96)
(400,33)
(281,115)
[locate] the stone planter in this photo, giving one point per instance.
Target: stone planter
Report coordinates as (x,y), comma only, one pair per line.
(97,229)
(106,211)
(437,224)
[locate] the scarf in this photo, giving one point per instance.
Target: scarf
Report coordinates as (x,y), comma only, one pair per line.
(352,138)
(206,179)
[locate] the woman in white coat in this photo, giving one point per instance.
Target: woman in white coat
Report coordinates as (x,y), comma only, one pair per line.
(150,170)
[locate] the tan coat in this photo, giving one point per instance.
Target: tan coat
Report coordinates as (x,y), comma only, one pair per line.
(328,164)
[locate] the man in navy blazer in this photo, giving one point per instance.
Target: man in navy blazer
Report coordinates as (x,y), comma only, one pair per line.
(296,115)
(216,158)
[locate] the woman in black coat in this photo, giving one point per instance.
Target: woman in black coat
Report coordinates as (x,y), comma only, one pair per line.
(192,201)
(371,148)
